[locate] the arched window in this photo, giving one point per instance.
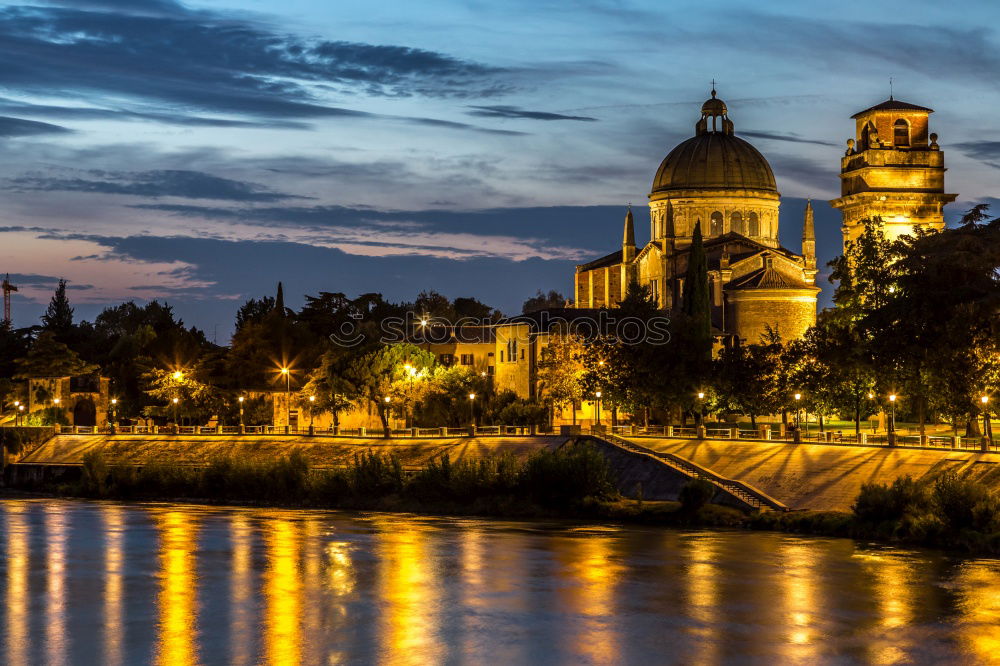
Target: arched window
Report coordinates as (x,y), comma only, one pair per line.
(754,225)
(736,223)
(901,133)
(716,228)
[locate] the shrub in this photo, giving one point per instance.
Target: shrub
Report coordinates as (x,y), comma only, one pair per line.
(965,504)
(695,494)
(94,480)
(568,474)
(880,502)
(373,474)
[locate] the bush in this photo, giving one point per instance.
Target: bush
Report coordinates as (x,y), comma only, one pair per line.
(880,502)
(568,474)
(374,475)
(94,480)
(695,494)
(964,504)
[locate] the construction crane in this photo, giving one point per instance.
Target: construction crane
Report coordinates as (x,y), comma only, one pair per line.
(8,289)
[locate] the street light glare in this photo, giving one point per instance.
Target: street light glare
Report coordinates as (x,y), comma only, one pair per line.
(472,396)
(701,395)
(240,398)
(892,398)
(312,398)
(598,394)
(798,396)
(176,401)
(284,371)
(178,375)
(985,399)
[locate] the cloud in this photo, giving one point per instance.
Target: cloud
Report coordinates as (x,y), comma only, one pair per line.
(517,112)
(19,127)
(155,184)
(213,61)
(775,136)
(987,152)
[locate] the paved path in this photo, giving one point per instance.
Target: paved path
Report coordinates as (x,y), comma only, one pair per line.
(815,476)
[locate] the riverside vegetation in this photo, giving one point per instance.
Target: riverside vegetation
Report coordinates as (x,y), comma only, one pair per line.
(950,511)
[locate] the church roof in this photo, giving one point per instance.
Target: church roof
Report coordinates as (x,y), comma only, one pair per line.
(766,278)
(893,105)
(714,160)
(609,260)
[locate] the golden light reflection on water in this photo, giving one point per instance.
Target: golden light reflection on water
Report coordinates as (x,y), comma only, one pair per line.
(978,591)
(114,559)
(407,588)
(798,578)
(592,572)
(894,588)
(241,590)
(702,595)
(16,600)
(282,592)
(178,589)
(55,587)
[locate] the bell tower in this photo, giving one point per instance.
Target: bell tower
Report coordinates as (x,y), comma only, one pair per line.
(893,169)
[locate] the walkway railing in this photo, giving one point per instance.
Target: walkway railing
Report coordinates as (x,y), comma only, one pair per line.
(834,437)
(258,430)
(744,491)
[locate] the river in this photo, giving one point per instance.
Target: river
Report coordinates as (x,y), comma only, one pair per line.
(112,583)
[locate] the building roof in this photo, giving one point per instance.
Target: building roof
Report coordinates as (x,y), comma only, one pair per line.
(893,105)
(766,278)
(609,260)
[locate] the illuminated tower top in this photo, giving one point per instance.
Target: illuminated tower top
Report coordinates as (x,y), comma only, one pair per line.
(893,169)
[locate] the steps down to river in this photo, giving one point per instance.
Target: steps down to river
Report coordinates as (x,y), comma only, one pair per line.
(661,476)
(822,476)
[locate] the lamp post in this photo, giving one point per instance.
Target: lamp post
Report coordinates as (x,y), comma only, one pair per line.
(20,410)
(312,401)
(798,399)
(892,413)
(176,424)
(472,409)
(597,406)
(388,426)
(241,399)
(987,426)
(698,415)
(114,415)
(288,400)
(55,408)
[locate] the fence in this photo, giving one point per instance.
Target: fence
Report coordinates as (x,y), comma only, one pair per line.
(764,433)
(229,430)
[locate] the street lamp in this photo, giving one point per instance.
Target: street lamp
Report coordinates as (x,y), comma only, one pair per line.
(288,403)
(892,413)
(175,401)
(114,412)
(798,421)
(20,409)
(55,406)
(597,406)
(472,412)
(987,426)
(178,375)
(312,401)
(241,399)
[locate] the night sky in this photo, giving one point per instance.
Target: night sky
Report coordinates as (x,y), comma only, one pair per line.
(200,152)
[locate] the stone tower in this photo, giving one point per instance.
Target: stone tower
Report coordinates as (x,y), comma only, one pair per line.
(809,238)
(892,169)
(628,237)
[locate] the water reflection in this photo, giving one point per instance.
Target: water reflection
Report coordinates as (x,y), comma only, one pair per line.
(407,590)
(978,590)
(285,587)
(55,589)
(241,590)
(114,567)
(16,601)
(282,592)
(178,594)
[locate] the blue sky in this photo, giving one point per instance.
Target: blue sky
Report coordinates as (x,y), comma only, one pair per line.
(200,152)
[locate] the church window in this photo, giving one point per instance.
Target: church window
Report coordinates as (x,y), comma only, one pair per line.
(736,223)
(901,133)
(754,225)
(716,225)
(654,291)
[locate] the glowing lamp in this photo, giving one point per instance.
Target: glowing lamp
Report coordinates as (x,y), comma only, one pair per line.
(798,396)
(472,396)
(178,375)
(892,398)
(701,395)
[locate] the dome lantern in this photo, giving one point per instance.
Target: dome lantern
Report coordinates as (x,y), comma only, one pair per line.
(714,116)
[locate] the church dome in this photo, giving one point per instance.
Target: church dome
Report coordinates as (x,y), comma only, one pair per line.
(714,160)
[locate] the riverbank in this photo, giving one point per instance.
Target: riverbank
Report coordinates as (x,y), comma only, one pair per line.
(951,513)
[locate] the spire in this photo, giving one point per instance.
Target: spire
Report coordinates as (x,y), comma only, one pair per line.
(279,301)
(809,236)
(628,238)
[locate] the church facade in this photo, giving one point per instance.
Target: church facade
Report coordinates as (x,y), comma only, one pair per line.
(723,185)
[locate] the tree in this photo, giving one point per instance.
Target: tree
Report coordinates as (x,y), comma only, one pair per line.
(433,304)
(543,301)
(253,311)
(560,372)
(50,358)
(383,371)
(746,379)
(697,302)
(58,317)
(196,400)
